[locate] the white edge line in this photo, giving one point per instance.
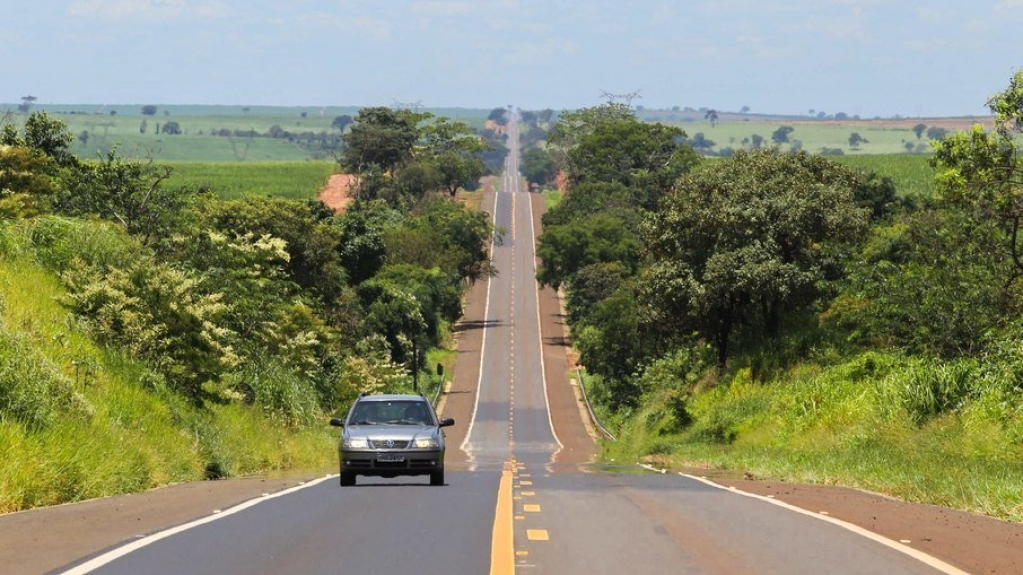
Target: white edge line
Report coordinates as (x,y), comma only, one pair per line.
(924,558)
(110,556)
(539,330)
(483,348)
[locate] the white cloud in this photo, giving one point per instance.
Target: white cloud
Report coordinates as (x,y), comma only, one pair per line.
(116,10)
(377,29)
(443,7)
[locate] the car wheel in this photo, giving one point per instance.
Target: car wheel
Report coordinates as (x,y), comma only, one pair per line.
(437,477)
(347,478)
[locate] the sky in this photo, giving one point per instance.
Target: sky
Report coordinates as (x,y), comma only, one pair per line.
(861,57)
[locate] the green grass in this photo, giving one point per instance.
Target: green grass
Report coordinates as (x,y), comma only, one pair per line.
(299,180)
(551,198)
(852,424)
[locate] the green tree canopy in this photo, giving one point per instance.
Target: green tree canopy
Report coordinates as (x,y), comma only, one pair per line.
(980,171)
(381,137)
(748,239)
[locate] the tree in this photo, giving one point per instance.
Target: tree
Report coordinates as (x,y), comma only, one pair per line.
(855,139)
(171,127)
(581,242)
(919,130)
(781,135)
(129,192)
(712,116)
(609,144)
(312,241)
(143,126)
(42,133)
(149,110)
(936,133)
(980,172)
(453,151)
(499,116)
(342,122)
(747,241)
(380,137)
(538,167)
(26,103)
(928,285)
(701,142)
(757,140)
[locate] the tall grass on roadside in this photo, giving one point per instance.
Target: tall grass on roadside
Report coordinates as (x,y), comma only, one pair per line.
(946,433)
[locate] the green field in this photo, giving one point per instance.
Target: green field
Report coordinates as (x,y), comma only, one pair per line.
(813,137)
(299,180)
(912,174)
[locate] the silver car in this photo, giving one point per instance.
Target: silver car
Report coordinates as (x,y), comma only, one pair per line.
(392,435)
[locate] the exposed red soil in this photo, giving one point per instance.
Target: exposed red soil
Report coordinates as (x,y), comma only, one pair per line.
(499,129)
(561,181)
(337,193)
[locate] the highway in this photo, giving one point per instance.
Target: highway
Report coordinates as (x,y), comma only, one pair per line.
(523,494)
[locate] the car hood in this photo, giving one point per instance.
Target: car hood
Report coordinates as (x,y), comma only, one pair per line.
(396,432)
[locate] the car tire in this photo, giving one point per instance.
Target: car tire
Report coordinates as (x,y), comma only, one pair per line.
(437,477)
(347,479)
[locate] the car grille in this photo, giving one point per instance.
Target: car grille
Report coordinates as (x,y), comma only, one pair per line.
(388,443)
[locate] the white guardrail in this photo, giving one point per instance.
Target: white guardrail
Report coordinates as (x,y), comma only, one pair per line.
(589,407)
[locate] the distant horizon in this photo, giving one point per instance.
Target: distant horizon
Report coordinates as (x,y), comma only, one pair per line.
(347,108)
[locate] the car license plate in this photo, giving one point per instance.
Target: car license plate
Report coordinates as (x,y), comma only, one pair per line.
(390,457)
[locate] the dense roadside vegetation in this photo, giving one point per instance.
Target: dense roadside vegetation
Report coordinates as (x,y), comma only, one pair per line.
(794,316)
(201,337)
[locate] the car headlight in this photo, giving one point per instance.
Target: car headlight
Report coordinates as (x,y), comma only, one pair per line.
(427,443)
(355,443)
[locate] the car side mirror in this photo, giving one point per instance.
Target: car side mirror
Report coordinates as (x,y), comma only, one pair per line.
(447,422)
(337,422)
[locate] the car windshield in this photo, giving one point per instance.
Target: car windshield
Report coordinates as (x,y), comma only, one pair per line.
(391,413)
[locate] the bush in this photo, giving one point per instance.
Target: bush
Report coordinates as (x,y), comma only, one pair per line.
(282,394)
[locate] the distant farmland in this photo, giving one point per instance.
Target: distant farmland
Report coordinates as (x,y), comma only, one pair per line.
(211,133)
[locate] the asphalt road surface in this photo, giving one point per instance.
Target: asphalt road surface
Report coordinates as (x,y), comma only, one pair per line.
(522,493)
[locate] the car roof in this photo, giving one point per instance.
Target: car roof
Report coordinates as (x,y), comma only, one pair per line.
(392,397)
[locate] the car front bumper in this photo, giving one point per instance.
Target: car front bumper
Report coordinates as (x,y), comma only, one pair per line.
(417,462)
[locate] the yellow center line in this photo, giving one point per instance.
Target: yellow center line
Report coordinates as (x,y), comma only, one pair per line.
(502,544)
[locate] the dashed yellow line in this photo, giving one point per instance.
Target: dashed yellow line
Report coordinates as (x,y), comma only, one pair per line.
(531,508)
(537,535)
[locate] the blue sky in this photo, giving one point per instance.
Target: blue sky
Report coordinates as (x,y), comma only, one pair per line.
(865,57)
